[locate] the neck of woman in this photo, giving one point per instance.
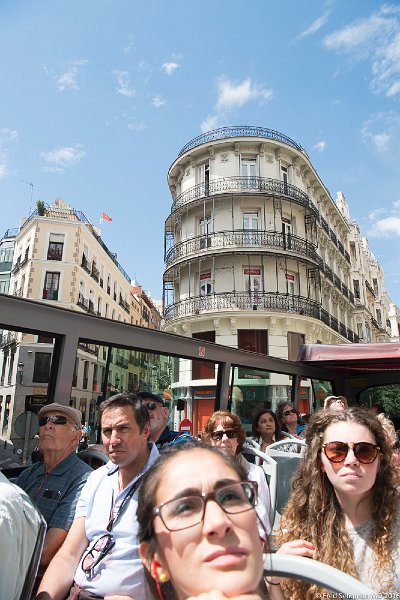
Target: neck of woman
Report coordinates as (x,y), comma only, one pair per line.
(266,440)
(292,429)
(357,510)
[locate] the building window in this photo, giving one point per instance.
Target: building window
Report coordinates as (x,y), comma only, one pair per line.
(375,284)
(254,340)
(51,286)
(353,255)
(56,245)
(203,179)
(41,369)
(206,286)
(248,167)
(356,287)
(379,316)
(295,341)
(85,374)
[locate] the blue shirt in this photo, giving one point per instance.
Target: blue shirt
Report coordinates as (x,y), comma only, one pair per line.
(57,494)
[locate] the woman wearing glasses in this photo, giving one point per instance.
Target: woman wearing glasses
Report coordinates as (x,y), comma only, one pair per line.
(344,507)
(225,431)
(288,418)
(198,528)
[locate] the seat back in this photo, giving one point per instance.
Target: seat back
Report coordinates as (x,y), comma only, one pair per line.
(34,563)
(270,468)
(287,463)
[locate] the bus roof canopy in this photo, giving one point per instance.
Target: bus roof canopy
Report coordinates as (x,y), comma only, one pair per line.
(353,358)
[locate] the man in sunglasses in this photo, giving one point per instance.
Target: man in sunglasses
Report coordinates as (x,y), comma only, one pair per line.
(160,433)
(100,557)
(54,483)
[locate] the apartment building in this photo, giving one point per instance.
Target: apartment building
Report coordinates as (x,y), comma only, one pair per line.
(257,254)
(60,258)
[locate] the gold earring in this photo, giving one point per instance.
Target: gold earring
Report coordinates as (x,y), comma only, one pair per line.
(163,577)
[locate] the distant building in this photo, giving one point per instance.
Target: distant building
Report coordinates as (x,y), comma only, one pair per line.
(60,258)
(394,318)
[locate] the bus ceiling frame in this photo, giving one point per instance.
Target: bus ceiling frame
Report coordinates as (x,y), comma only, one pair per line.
(69,328)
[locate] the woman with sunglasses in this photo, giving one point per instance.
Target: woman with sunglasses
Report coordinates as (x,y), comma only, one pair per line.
(288,418)
(198,527)
(344,508)
(225,431)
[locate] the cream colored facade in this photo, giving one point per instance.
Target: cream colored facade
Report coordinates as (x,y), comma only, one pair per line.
(256,249)
(59,258)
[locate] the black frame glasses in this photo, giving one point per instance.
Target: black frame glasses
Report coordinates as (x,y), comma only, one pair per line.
(102,546)
(218,435)
(152,405)
(292,411)
(56,419)
(365,452)
(188,511)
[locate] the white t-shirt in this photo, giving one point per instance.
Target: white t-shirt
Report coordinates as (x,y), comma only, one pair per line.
(121,570)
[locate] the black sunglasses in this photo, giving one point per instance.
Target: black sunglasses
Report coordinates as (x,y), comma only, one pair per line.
(365,452)
(102,546)
(57,420)
(218,435)
(292,411)
(152,405)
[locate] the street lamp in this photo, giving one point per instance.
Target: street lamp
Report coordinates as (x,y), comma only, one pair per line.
(20,371)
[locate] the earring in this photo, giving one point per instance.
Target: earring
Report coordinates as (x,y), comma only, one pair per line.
(163,577)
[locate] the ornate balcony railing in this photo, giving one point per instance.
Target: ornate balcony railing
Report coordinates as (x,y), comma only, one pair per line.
(83,302)
(337,282)
(325,225)
(267,301)
(251,185)
(258,240)
(86,264)
(328,272)
(333,237)
(239,131)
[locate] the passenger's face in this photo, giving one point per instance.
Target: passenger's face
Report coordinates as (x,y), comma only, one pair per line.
(122,438)
(289,415)
(229,445)
(158,415)
(266,425)
(337,404)
(350,477)
(224,551)
(58,438)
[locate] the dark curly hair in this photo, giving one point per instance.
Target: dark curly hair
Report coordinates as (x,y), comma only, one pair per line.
(226,419)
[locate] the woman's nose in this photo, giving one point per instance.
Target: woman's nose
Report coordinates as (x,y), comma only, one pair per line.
(216,521)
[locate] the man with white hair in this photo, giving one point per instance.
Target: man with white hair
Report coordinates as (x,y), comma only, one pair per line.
(55,483)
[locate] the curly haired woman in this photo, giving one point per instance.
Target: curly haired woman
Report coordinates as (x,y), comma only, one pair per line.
(344,509)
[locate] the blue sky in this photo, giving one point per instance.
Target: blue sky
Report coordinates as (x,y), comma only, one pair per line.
(99,96)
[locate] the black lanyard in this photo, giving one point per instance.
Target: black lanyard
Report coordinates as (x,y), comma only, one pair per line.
(124,503)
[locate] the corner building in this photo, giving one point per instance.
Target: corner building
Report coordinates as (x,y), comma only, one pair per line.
(256,254)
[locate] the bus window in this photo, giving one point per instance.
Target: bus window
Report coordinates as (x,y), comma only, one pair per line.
(385,396)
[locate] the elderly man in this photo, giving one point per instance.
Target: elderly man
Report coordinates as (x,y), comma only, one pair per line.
(160,433)
(100,556)
(55,483)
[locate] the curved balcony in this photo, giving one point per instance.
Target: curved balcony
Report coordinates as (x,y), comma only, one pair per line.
(239,131)
(258,241)
(244,185)
(265,301)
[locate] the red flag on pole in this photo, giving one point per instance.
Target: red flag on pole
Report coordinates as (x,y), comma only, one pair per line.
(106,217)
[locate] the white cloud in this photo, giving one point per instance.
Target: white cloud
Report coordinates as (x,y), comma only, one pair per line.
(396,204)
(373,214)
(210,123)
(123,83)
(3,170)
(315,25)
(137,126)
(388,227)
(382,131)
(67,81)
(233,96)
(169,67)
(8,135)
(320,146)
(129,47)
(63,158)
(377,38)
(158,101)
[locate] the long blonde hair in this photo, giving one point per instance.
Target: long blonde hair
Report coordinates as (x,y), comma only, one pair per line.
(313,512)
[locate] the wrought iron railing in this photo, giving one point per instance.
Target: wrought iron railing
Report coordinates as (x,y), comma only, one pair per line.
(239,131)
(251,185)
(325,225)
(328,272)
(267,301)
(259,240)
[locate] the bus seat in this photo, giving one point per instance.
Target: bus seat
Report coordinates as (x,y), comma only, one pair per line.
(287,463)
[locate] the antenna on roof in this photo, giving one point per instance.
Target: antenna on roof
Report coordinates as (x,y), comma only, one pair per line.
(31,186)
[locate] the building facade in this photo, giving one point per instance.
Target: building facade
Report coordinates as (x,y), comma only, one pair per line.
(256,253)
(60,258)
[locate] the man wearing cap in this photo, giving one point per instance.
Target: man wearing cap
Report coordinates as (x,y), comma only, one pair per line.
(55,483)
(160,433)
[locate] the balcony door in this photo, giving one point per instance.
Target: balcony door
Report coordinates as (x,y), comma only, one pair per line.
(250,228)
(253,286)
(287,232)
(206,285)
(203,179)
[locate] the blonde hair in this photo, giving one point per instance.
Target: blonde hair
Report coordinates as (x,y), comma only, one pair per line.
(388,428)
(313,511)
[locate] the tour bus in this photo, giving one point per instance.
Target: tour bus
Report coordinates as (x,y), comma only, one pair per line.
(50,354)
